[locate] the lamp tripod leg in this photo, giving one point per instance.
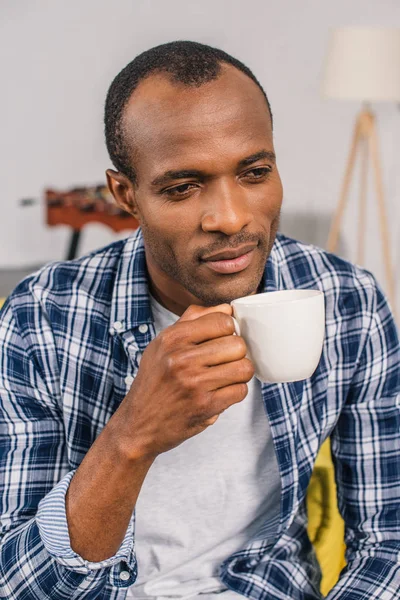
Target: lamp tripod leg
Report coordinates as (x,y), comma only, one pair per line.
(362,200)
(335,228)
(373,141)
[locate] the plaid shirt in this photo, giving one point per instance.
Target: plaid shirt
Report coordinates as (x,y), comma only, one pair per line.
(72,335)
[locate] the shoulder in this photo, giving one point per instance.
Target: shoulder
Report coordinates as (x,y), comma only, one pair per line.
(348,288)
(63,286)
(357,313)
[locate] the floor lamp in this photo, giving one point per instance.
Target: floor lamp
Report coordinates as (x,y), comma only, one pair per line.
(364,64)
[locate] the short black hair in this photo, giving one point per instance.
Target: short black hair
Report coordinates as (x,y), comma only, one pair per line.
(190,63)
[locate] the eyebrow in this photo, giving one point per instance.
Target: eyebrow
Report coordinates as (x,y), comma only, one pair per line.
(173,175)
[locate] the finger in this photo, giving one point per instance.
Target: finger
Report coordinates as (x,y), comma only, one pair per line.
(227,396)
(238,371)
(215,352)
(204,328)
(194,311)
(211,420)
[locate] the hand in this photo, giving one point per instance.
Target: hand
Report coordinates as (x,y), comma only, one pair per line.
(189,374)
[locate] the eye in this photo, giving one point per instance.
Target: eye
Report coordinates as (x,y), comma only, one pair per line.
(179,190)
(258,173)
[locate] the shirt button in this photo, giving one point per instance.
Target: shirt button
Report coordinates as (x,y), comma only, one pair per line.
(111,331)
(143,328)
(129,380)
(117,325)
(124,575)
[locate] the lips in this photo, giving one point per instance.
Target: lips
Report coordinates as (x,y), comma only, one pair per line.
(231,265)
(230,253)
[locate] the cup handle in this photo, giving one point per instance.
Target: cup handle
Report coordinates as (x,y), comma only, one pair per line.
(237,326)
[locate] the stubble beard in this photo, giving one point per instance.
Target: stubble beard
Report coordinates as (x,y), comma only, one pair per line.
(166,260)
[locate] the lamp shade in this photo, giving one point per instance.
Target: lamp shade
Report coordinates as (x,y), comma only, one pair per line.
(363,64)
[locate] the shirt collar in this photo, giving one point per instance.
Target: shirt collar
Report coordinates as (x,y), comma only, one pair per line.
(130,304)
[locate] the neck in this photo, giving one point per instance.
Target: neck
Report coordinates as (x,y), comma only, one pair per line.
(170,294)
(165,300)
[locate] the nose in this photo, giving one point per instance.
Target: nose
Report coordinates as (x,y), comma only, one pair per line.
(226,209)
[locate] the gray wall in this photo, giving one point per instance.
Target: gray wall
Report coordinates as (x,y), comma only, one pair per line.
(58,59)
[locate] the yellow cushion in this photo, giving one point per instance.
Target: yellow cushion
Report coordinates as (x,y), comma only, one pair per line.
(2,300)
(325,525)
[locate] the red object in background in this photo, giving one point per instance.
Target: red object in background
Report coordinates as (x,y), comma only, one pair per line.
(79,206)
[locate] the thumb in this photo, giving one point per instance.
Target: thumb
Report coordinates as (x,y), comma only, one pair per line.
(194,311)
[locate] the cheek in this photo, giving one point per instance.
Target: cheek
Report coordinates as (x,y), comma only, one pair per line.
(168,235)
(273,202)
(177,224)
(268,204)
(168,218)
(278,189)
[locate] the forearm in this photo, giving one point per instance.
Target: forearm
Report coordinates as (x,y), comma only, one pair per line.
(102,495)
(36,559)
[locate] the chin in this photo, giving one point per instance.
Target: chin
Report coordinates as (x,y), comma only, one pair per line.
(229,291)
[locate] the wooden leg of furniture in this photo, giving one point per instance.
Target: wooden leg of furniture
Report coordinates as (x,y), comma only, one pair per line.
(73,244)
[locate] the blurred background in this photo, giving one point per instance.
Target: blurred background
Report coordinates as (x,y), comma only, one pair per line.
(58,59)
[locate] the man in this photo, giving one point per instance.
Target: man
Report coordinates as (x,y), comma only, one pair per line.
(141,458)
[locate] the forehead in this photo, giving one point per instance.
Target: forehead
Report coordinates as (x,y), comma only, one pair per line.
(167,122)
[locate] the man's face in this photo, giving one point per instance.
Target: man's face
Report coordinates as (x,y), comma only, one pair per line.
(207,182)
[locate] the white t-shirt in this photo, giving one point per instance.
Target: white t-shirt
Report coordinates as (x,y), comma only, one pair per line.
(205,499)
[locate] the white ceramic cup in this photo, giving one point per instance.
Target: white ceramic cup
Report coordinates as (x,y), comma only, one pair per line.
(284,332)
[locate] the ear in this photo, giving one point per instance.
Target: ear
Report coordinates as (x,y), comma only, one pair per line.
(123,191)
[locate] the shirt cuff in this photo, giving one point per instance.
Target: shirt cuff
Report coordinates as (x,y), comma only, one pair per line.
(52,523)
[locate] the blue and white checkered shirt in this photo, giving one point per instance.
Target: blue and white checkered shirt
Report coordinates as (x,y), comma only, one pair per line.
(71,338)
